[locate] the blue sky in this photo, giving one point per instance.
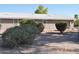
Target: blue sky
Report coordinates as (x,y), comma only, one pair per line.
(61,9)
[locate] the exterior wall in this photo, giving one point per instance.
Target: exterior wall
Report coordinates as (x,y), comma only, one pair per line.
(49,25)
(6,23)
(4,26)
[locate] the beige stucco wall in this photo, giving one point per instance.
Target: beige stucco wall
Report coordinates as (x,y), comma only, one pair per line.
(49,25)
(4,26)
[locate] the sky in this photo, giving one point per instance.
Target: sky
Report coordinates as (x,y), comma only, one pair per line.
(60,9)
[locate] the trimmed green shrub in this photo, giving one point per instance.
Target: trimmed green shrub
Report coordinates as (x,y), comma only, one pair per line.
(30,28)
(12,37)
(40,26)
(27,21)
(31,32)
(61,27)
(20,35)
(76,23)
(16,36)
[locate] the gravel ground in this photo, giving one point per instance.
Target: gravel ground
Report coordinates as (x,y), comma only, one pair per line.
(48,43)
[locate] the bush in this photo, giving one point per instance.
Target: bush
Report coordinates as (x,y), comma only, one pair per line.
(61,27)
(30,33)
(76,23)
(27,21)
(12,37)
(40,26)
(20,35)
(16,36)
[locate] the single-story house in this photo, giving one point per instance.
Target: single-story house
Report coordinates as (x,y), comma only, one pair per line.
(8,20)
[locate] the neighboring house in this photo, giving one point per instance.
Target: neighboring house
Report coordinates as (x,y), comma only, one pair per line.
(8,20)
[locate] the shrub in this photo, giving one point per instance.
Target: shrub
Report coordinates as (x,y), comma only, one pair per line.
(12,36)
(30,28)
(61,27)
(30,33)
(20,35)
(40,26)
(16,36)
(27,21)
(76,23)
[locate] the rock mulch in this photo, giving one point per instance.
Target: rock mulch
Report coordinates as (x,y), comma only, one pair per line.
(48,43)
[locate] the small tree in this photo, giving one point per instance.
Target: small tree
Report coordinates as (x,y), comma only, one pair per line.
(41,10)
(76,23)
(76,16)
(61,27)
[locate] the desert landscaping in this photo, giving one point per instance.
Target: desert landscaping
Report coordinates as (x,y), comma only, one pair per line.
(49,42)
(38,33)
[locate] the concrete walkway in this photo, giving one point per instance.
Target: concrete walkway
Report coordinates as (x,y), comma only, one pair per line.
(48,43)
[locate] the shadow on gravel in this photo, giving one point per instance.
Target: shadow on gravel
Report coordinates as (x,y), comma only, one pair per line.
(51,37)
(43,39)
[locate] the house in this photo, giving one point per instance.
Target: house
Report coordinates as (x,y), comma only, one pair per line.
(8,20)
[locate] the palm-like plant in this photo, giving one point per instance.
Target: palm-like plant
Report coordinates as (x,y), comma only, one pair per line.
(41,10)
